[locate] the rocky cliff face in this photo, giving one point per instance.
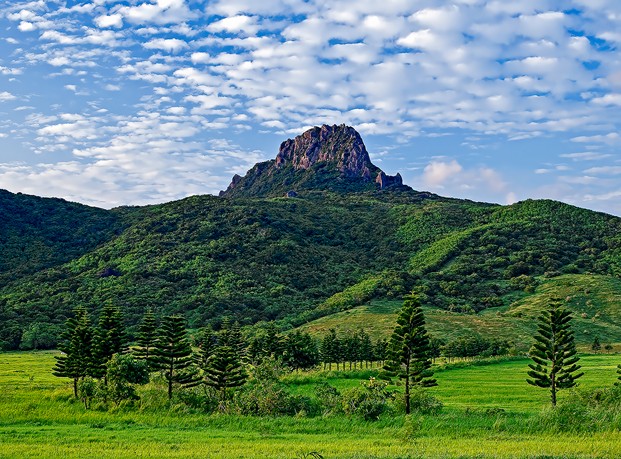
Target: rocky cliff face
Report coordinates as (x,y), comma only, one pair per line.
(340,146)
(326,157)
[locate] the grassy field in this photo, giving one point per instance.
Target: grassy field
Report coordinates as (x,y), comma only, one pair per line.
(489,412)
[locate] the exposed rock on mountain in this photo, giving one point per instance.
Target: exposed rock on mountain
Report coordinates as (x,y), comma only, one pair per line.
(322,158)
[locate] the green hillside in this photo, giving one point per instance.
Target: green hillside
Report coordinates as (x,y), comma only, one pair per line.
(347,238)
(595,301)
(297,259)
(38,233)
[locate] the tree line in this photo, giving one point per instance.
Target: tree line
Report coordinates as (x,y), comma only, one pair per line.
(99,358)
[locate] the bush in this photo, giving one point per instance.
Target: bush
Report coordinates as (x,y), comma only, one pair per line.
(329,398)
(369,401)
(583,411)
(265,395)
(423,402)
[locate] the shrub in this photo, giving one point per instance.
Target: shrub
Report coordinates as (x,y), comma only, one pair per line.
(583,411)
(369,401)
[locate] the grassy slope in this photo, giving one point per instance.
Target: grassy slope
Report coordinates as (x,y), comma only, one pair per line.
(595,301)
(36,421)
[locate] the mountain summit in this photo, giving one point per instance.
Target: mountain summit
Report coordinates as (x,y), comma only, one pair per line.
(322,158)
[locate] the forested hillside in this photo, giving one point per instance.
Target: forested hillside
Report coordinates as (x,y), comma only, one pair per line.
(291,259)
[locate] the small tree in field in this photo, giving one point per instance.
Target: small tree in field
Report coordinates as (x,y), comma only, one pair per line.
(554,352)
(224,371)
(596,346)
(172,354)
(409,354)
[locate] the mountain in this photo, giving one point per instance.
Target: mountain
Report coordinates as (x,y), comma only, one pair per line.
(322,158)
(344,241)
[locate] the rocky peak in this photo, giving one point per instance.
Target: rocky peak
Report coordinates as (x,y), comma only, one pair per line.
(341,146)
(322,158)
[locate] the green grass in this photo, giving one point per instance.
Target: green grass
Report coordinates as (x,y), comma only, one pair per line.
(39,420)
(595,301)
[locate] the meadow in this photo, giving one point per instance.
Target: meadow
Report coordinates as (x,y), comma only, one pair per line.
(489,412)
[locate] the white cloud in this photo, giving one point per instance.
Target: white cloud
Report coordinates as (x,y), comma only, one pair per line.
(158,12)
(586,156)
(604,170)
(113,20)
(5,96)
(437,173)
(239,23)
(26,26)
(172,45)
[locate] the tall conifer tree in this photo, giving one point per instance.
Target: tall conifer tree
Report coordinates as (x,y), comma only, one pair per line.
(147,336)
(207,345)
(618,383)
(76,360)
(172,354)
(110,338)
(554,351)
(225,371)
(408,350)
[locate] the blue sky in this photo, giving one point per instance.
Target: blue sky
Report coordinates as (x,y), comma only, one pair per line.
(143,101)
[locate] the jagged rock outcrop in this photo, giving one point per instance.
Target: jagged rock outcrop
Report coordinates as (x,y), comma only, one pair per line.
(340,145)
(387,181)
(322,158)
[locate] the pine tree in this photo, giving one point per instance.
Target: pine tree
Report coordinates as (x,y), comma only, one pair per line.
(618,383)
(554,351)
(147,336)
(207,344)
(110,339)
(380,351)
(329,348)
(409,351)
(596,346)
(366,347)
(76,345)
(172,354)
(225,371)
(300,351)
(230,335)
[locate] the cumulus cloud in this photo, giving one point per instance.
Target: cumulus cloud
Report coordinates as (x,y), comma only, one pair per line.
(492,70)
(172,45)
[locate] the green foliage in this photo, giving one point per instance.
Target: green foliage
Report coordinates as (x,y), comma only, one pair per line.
(473,346)
(266,395)
(38,233)
(76,360)
(173,355)
(109,339)
(369,401)
(554,352)
(224,371)
(422,402)
(40,336)
(409,350)
(618,382)
(596,345)
(583,411)
(147,336)
(300,351)
(123,373)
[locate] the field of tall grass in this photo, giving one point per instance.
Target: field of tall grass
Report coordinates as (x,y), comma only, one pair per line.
(489,411)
